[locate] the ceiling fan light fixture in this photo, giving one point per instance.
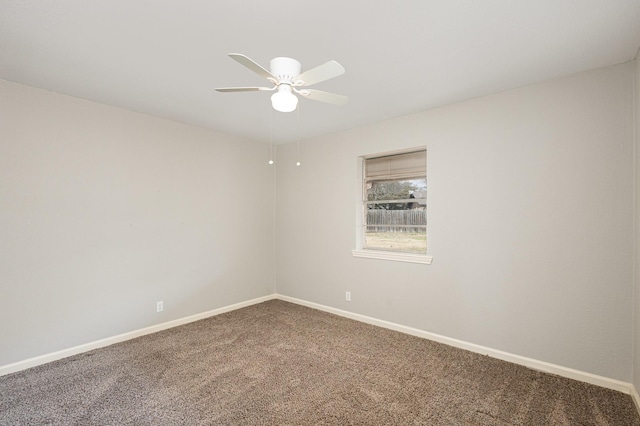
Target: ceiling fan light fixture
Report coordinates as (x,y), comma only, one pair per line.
(288,80)
(284,100)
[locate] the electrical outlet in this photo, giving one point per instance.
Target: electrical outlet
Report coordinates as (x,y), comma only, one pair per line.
(347,296)
(159,306)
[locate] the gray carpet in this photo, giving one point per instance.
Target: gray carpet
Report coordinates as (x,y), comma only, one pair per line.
(277,363)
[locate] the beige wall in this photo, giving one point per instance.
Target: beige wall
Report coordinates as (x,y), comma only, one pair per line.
(530,196)
(103,212)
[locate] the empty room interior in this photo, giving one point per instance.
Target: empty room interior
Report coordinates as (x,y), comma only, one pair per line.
(421,212)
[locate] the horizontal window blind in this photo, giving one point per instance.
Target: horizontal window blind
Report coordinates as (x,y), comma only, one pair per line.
(396,166)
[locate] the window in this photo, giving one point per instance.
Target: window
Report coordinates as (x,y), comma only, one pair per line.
(393,207)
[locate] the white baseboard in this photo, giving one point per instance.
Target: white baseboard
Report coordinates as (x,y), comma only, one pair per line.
(43,359)
(546,367)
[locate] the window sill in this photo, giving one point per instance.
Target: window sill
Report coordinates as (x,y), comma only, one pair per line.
(390,255)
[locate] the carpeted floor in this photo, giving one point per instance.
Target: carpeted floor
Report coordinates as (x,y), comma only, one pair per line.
(277,363)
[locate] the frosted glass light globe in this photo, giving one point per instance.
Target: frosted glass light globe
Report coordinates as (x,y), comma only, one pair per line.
(284,100)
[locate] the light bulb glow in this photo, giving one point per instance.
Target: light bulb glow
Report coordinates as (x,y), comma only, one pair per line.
(270,161)
(284,100)
(298,163)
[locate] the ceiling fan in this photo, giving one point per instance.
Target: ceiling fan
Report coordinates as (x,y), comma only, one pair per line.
(285,74)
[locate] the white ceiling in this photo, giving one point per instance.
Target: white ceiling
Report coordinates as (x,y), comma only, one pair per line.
(164,58)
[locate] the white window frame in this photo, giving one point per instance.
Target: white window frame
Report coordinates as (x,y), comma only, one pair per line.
(362,252)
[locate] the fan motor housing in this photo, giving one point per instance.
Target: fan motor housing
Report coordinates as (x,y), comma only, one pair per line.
(285,69)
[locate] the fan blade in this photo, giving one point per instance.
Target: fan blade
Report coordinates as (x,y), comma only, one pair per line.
(320,73)
(319,95)
(242,89)
(253,66)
